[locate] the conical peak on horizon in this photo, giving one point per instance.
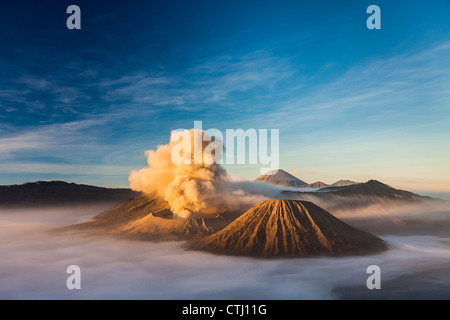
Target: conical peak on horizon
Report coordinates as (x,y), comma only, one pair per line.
(286,179)
(343,183)
(281,177)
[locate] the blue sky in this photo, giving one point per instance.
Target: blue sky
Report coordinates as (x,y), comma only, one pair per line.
(350,103)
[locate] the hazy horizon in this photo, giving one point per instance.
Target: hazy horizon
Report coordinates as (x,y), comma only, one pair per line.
(439,195)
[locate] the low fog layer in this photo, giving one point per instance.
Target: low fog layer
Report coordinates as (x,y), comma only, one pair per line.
(34,262)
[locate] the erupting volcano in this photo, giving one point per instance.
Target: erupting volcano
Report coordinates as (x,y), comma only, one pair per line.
(198,203)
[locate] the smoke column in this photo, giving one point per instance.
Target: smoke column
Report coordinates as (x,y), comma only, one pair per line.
(190,189)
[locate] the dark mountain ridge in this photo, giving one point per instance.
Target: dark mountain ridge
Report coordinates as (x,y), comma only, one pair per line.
(51,193)
(371,188)
(352,198)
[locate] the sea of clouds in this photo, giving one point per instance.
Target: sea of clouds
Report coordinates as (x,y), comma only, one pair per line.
(33,266)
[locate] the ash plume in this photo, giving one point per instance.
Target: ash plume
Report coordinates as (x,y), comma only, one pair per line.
(191,189)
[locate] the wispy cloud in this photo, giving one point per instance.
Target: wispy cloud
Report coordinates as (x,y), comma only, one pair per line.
(397,86)
(35,83)
(209,83)
(256,90)
(64,169)
(57,138)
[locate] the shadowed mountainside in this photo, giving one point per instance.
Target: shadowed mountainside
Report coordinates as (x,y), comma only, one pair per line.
(55,193)
(355,197)
(375,188)
(287,228)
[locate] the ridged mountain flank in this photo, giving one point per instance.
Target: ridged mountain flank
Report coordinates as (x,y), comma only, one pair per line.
(148,217)
(289,228)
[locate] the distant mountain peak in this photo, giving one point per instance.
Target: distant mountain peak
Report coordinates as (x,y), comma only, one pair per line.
(343,183)
(315,185)
(281,178)
(378,189)
(377,183)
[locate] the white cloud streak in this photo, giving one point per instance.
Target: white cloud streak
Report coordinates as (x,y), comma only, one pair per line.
(34,266)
